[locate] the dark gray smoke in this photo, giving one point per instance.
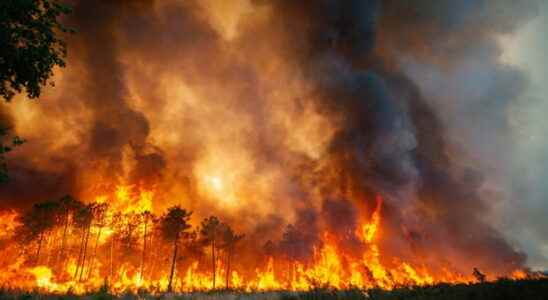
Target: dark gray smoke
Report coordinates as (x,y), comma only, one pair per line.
(394,139)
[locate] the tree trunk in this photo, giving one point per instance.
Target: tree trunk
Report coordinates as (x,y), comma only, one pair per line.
(213,260)
(45,247)
(64,239)
(111,259)
(39,248)
(92,259)
(153,256)
(52,257)
(144,251)
(80,254)
(85,253)
(229,254)
(175,246)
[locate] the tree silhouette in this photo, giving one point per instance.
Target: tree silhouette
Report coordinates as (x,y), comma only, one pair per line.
(5,148)
(292,245)
(210,231)
(269,248)
(480,277)
(68,206)
(194,246)
(115,223)
(30,48)
(174,226)
(146,218)
(229,240)
(98,211)
(82,221)
(36,222)
(128,232)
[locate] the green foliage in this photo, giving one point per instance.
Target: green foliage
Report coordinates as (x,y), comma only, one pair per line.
(30,46)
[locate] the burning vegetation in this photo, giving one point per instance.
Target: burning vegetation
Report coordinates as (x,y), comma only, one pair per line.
(70,246)
(263,145)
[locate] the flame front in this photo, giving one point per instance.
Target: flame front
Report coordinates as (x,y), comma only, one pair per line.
(114,256)
(329,140)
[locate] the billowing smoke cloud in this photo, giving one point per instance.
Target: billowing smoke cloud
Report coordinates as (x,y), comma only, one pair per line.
(299,112)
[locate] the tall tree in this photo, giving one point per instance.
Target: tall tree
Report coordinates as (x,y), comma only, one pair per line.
(115,223)
(82,220)
(146,217)
(174,226)
(292,246)
(36,223)
(229,240)
(210,231)
(99,212)
(30,48)
(68,206)
(128,232)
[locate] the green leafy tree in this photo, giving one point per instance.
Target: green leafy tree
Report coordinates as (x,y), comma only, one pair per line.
(30,47)
(174,226)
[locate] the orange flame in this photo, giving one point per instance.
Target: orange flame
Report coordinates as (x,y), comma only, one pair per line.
(331,266)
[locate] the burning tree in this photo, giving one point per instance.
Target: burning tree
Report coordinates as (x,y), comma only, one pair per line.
(68,208)
(46,225)
(174,225)
(99,211)
(147,217)
(229,240)
(37,223)
(210,231)
(83,220)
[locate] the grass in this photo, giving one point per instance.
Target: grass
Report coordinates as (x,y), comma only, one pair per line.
(533,289)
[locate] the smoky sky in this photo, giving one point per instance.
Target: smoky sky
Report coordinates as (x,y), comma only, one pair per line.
(415,93)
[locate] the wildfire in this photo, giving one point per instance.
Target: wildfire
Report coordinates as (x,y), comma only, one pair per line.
(69,256)
(264,145)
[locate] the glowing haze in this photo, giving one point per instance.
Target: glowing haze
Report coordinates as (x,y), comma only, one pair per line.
(376,127)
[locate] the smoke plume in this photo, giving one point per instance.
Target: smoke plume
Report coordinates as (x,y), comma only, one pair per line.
(276,113)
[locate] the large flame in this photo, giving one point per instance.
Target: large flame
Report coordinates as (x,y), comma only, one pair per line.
(317,129)
(330,267)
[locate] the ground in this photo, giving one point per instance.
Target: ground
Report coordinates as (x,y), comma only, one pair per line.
(536,289)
